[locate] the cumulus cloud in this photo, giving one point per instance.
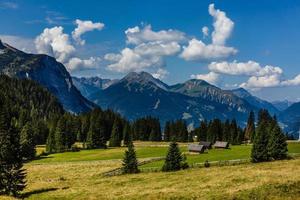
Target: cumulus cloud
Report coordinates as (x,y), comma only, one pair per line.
(148,51)
(198,50)
(75,63)
(211,77)
(292,82)
(83,27)
(255,82)
(205,31)
(54,42)
(160,73)
(250,68)
(137,35)
(223,26)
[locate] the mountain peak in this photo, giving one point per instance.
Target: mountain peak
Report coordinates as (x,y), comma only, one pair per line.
(144,78)
(241,92)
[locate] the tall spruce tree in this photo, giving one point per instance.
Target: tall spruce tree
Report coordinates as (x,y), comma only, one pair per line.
(60,135)
(277,146)
(201,132)
(130,163)
(250,128)
(173,161)
(127,134)
(12,174)
(167,131)
(27,142)
(50,145)
(259,151)
(115,140)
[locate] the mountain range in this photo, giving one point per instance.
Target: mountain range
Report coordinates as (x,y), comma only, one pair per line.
(140,94)
(46,71)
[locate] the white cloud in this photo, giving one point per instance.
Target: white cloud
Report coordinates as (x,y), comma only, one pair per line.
(53,42)
(160,73)
(223,26)
(292,82)
(211,77)
(205,31)
(197,50)
(137,36)
(144,56)
(262,82)
(83,27)
(76,63)
(250,68)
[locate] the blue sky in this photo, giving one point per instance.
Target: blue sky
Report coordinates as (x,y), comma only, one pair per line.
(255,43)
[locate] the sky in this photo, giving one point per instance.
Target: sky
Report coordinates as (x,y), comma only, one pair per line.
(250,44)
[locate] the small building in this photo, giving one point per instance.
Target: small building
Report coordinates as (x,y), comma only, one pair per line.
(221,145)
(196,148)
(207,145)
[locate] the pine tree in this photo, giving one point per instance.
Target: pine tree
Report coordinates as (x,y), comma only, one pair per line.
(226,131)
(167,132)
(277,146)
(127,134)
(60,135)
(12,174)
(250,128)
(259,151)
(202,131)
(115,135)
(173,159)
(50,145)
(130,163)
(27,142)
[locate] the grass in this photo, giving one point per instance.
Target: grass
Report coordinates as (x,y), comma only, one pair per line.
(83,180)
(78,175)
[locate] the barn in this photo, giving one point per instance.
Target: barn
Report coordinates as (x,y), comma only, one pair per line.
(196,148)
(207,145)
(221,145)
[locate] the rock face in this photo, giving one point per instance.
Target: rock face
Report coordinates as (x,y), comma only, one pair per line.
(291,119)
(47,72)
(140,94)
(255,101)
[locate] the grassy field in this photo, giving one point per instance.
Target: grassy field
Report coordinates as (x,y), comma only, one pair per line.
(78,175)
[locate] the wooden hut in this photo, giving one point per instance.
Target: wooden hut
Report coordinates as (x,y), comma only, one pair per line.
(221,145)
(206,145)
(196,148)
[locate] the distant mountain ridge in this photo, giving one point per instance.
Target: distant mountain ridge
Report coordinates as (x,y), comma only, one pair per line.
(46,71)
(140,94)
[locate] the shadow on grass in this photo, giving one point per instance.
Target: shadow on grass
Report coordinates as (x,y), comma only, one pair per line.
(39,191)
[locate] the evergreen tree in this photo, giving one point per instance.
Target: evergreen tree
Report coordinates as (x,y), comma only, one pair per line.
(201,132)
(277,146)
(130,163)
(12,176)
(167,131)
(60,135)
(115,135)
(250,128)
(259,151)
(234,133)
(226,131)
(27,142)
(173,159)
(126,134)
(50,145)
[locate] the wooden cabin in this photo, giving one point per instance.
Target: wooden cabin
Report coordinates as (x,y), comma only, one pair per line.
(207,145)
(196,148)
(221,145)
